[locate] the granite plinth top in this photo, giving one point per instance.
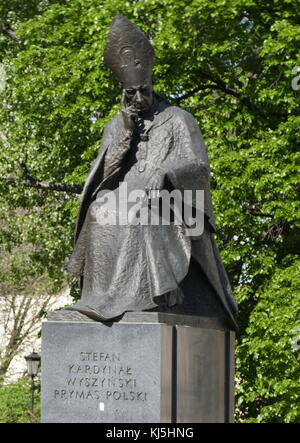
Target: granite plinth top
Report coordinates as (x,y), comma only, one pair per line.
(144,317)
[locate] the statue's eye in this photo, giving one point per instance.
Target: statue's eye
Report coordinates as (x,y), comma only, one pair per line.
(129,91)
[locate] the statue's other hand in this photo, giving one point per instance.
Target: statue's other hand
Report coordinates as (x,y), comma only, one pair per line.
(129,114)
(129,117)
(156,181)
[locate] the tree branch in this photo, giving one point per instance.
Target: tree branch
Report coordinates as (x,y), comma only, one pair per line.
(219,84)
(9,32)
(261,214)
(192,92)
(34,183)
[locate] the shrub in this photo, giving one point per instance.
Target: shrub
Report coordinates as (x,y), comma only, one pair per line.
(15,402)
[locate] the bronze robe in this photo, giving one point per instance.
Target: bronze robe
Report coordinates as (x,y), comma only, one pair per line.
(135,267)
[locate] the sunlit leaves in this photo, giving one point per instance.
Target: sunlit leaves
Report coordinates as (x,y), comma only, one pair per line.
(229,63)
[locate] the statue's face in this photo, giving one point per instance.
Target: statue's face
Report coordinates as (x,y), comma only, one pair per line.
(139,96)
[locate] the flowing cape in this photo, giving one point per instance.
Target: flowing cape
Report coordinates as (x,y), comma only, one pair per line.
(186,166)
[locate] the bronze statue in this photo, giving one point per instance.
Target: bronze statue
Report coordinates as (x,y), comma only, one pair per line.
(149,146)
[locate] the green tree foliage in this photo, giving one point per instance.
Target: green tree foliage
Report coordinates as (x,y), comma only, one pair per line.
(229,63)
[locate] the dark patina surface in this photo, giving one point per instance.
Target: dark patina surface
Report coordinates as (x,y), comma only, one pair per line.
(150,145)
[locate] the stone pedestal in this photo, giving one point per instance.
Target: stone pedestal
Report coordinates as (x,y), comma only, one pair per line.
(147,368)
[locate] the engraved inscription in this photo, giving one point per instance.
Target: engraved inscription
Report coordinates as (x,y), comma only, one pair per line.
(101,376)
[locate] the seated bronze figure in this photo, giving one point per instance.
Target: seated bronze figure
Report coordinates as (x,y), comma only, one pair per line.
(149,146)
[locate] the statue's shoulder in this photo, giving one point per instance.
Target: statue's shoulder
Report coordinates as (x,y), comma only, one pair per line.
(183,118)
(179,115)
(114,124)
(112,128)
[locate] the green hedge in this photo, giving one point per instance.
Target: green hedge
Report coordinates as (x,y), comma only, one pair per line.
(15,402)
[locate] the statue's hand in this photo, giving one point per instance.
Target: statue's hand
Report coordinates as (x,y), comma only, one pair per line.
(129,118)
(129,114)
(156,181)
